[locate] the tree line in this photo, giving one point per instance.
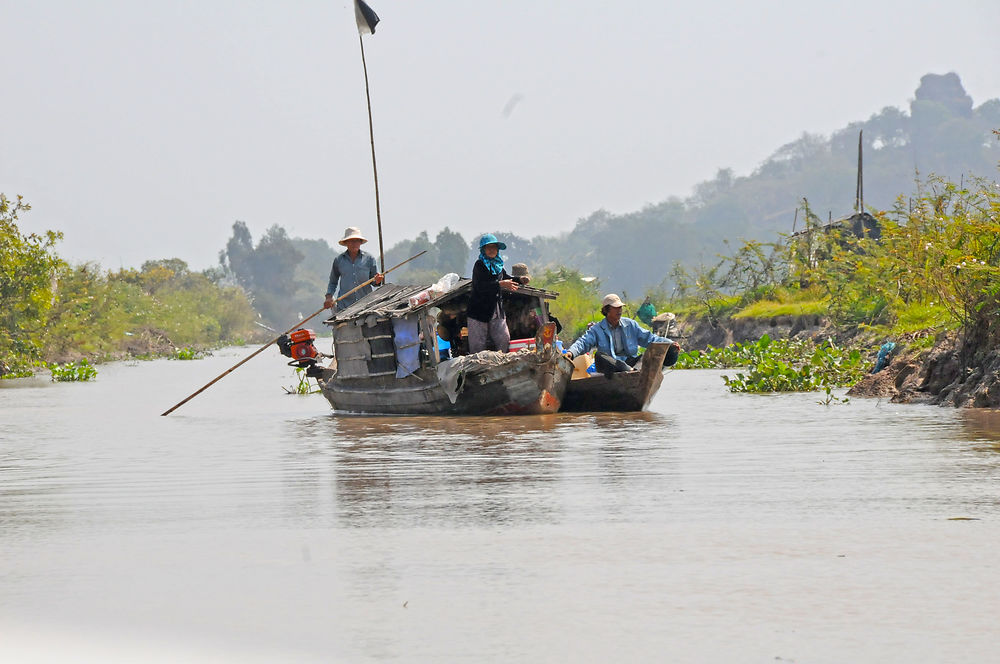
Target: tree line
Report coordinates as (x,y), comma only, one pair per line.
(52,311)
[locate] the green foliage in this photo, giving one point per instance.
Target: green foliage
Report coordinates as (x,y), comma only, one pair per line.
(945,247)
(579,300)
(188,354)
(829,366)
(782,365)
(917,316)
(303,385)
(104,313)
(800,303)
(27,267)
(935,264)
(73,371)
(755,270)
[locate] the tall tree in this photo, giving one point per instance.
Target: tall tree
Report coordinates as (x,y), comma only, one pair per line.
(266,271)
(452,251)
(28,267)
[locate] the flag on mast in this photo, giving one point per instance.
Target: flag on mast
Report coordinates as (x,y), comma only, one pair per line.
(366,17)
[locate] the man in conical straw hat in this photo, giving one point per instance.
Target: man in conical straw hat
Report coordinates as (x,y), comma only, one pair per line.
(351,269)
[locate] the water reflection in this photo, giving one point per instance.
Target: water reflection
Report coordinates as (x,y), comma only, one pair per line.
(450,471)
(982,425)
(445,471)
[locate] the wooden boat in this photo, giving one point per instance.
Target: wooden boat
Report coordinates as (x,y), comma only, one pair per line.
(620,391)
(388,361)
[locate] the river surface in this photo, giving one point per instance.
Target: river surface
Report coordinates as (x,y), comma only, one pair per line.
(255,526)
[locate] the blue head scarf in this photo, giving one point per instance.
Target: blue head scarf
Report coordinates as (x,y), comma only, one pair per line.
(494,265)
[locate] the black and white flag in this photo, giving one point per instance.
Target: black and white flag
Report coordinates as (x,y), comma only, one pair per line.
(366,17)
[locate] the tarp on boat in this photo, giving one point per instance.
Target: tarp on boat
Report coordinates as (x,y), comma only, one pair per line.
(406,337)
(452,373)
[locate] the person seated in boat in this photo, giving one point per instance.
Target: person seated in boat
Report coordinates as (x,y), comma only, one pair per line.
(617,340)
(646,312)
(351,269)
(487,322)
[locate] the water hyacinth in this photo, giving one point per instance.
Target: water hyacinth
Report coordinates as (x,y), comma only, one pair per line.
(73,371)
(187,354)
(782,365)
(305,386)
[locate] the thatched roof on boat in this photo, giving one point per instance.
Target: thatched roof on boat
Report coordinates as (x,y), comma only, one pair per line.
(393,300)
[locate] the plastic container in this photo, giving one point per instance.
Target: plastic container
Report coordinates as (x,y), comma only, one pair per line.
(423,297)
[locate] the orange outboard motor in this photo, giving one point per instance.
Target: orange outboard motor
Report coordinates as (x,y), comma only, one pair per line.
(299,346)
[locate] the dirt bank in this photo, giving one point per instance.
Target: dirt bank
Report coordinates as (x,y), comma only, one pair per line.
(957,371)
(143,343)
(960,370)
(697,333)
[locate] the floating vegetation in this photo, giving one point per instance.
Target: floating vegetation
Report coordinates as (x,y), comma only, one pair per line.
(24,369)
(305,386)
(782,365)
(188,354)
(73,371)
(831,398)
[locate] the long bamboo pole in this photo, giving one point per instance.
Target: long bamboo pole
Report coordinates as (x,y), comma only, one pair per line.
(272,341)
(371,136)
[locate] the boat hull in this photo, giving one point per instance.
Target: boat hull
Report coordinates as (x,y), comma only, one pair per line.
(528,385)
(618,392)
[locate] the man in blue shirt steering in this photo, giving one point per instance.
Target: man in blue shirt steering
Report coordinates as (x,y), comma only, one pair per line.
(619,338)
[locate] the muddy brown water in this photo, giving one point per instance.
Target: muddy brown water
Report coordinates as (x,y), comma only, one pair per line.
(251,525)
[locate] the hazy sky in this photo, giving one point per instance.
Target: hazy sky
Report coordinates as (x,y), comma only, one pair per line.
(144,129)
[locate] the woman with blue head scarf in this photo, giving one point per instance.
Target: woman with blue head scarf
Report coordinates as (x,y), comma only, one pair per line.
(487,322)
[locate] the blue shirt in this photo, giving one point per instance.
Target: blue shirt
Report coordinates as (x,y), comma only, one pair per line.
(600,336)
(350,274)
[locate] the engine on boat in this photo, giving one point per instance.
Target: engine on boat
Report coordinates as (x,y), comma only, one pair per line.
(300,347)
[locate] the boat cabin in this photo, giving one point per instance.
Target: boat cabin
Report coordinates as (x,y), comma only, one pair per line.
(384,334)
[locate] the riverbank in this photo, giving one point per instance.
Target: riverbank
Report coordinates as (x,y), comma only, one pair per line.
(144,344)
(960,369)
